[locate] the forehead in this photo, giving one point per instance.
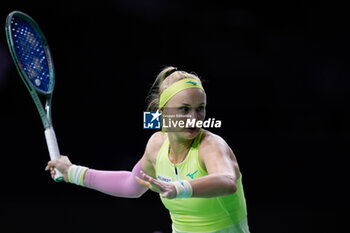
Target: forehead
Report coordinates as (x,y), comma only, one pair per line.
(192,96)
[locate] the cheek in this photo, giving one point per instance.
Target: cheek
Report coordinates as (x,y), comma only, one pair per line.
(200,115)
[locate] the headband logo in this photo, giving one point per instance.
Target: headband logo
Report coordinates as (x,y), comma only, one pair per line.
(193,83)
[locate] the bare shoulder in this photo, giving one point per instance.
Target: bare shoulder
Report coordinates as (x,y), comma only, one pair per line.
(154,144)
(213,148)
(149,158)
(213,141)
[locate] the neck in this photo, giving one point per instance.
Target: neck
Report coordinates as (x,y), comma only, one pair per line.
(179,148)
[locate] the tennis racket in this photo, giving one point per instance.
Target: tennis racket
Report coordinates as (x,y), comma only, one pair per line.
(31,54)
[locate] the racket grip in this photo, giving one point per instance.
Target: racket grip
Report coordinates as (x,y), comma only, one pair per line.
(53,150)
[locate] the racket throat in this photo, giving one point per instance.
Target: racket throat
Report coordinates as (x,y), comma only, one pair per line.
(48,114)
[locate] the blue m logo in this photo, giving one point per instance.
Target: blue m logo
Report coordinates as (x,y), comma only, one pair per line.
(151,120)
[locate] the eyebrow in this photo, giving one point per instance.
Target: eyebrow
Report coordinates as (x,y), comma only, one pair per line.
(184,104)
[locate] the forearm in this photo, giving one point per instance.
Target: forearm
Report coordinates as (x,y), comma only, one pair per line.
(116,183)
(213,185)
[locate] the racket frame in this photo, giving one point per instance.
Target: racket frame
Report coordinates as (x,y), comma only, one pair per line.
(45,114)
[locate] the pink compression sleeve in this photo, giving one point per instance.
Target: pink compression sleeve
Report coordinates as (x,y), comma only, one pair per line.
(116,183)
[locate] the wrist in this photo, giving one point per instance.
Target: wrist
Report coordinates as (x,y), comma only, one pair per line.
(65,173)
(76,175)
(183,189)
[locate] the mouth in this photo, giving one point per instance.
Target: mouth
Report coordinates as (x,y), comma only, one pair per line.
(192,129)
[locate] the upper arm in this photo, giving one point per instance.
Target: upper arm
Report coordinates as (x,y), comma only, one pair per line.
(147,166)
(148,160)
(217,156)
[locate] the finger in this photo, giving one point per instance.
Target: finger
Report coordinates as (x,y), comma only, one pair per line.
(150,178)
(51,163)
(143,182)
(169,195)
(165,194)
(143,174)
(155,181)
(47,167)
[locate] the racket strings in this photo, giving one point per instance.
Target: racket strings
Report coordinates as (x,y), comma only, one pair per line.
(31,53)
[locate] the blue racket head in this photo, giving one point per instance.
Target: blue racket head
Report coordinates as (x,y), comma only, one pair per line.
(30,51)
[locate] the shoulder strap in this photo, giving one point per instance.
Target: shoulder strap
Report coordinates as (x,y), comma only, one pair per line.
(197,140)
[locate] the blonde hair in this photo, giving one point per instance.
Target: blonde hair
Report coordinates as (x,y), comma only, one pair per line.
(165,78)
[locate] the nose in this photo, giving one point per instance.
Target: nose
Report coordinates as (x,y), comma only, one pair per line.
(195,115)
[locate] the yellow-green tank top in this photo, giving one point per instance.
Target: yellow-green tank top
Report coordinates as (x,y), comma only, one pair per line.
(198,214)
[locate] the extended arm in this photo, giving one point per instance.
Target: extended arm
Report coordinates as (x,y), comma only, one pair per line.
(116,183)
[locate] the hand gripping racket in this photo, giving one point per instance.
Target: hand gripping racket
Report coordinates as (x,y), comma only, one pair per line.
(31,54)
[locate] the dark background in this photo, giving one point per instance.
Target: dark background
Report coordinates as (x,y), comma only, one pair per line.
(275,75)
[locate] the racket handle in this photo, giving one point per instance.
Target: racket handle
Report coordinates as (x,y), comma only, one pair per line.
(53,150)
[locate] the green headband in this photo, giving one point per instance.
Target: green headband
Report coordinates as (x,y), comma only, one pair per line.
(175,88)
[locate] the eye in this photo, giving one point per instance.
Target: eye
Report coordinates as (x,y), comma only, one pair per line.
(200,109)
(185,109)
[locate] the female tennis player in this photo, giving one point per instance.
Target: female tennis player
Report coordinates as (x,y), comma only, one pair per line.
(194,171)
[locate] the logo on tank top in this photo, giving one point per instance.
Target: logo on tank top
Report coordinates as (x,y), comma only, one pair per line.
(164,178)
(191,175)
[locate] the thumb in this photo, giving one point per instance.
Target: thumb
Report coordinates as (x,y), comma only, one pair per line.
(143,182)
(51,163)
(165,194)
